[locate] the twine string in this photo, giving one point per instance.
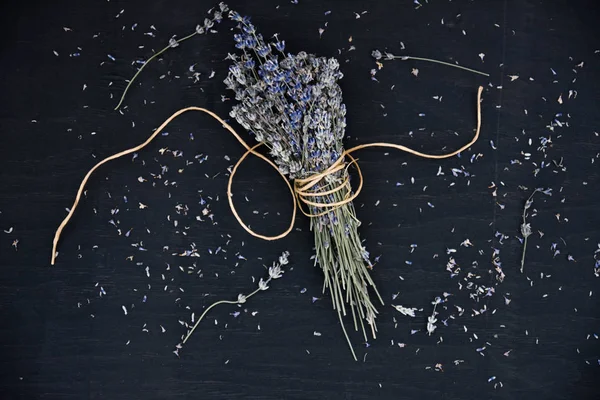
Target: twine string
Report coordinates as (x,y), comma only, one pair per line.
(302,190)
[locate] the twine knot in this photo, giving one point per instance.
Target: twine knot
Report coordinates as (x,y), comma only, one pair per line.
(307,190)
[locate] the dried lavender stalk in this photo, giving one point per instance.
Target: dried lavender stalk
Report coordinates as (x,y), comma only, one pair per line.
(216,17)
(376,54)
(526,226)
(346,265)
(275,272)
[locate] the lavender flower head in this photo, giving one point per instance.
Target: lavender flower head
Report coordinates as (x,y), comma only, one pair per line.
(290,102)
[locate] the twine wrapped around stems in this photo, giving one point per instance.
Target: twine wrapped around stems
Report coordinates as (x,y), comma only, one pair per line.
(300,190)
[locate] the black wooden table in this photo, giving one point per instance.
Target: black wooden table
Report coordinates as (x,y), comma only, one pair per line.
(65,333)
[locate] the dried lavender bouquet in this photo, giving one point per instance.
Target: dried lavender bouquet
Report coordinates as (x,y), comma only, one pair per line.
(292,103)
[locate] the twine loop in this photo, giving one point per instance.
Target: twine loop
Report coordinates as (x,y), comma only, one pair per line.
(304,191)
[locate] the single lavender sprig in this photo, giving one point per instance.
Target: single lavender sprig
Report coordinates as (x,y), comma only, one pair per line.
(275,272)
(200,29)
(431,320)
(376,54)
(526,226)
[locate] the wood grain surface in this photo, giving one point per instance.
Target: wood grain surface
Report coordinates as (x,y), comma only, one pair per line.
(65,63)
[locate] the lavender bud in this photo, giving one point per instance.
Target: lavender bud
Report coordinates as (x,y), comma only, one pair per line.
(283,259)
(208,23)
(249,29)
(235,16)
(263,51)
(275,272)
(280,46)
(262,285)
(333,64)
(526,230)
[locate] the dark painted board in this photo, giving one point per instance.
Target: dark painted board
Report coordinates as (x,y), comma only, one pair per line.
(61,340)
